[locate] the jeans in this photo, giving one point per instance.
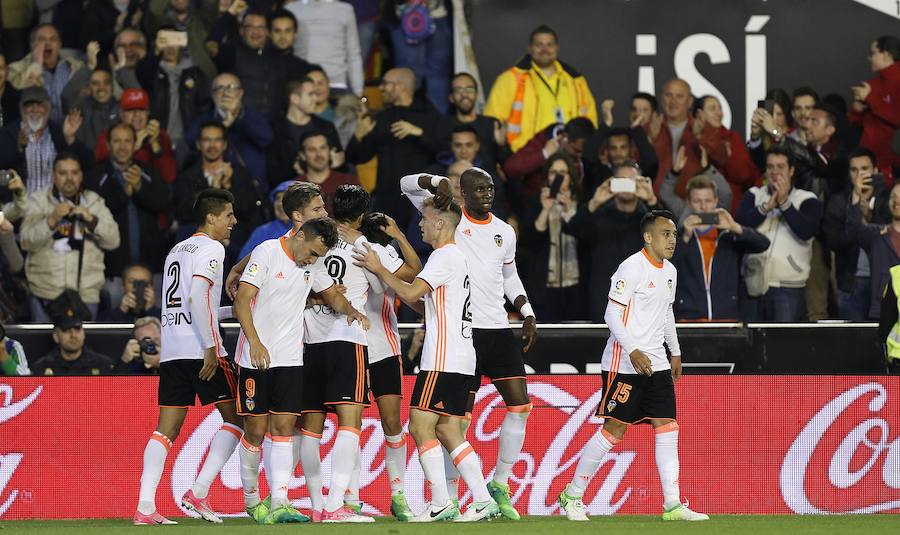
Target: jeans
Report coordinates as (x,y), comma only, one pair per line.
(366,30)
(854,305)
(783,305)
(431,61)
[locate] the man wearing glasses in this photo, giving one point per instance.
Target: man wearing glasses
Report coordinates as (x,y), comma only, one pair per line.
(247,131)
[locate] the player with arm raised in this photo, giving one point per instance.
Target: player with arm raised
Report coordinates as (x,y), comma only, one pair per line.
(440,395)
(638,379)
(489,245)
(192,362)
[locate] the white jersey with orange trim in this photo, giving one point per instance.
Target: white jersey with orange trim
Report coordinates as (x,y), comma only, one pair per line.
(488,245)
(322,323)
(643,292)
(383,335)
(276,309)
(448,315)
(199,257)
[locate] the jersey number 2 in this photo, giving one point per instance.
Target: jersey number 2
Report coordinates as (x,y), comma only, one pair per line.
(174,271)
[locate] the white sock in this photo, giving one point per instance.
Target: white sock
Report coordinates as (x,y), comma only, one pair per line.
(352,493)
(452,475)
(512,436)
(298,438)
(154,462)
(469,466)
(430,458)
(343,457)
(282,461)
(395,461)
(220,450)
(594,451)
(667,463)
(249,455)
(311,460)
(267,459)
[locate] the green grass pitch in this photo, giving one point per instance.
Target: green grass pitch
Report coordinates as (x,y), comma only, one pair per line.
(607,525)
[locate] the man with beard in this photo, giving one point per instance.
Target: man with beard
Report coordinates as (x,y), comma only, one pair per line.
(31,145)
(315,158)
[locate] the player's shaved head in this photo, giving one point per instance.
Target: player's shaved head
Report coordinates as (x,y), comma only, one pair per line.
(473,175)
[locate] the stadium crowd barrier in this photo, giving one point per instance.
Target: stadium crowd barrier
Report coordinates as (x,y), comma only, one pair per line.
(72,448)
(801,348)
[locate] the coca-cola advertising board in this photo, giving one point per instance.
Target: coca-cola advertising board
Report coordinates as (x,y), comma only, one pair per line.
(73,447)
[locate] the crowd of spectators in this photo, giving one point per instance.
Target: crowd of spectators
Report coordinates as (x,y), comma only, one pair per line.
(114,116)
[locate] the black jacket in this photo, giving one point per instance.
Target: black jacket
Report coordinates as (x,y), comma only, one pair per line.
(152,200)
(193,91)
(89,363)
(282,152)
(398,157)
(611,236)
(692,301)
(247,204)
(876,240)
(844,243)
(9,105)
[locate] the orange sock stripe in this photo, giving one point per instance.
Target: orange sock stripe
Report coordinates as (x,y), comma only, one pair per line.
(310,434)
(233,429)
(431,444)
(279,438)
(269,436)
(610,437)
(248,446)
(462,455)
(396,445)
(520,408)
(162,439)
(668,428)
(353,430)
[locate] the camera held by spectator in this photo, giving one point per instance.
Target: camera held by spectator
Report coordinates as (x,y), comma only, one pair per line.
(141,353)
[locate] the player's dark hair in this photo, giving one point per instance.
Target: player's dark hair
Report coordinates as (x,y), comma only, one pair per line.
(349,202)
(371,228)
(651,216)
(654,104)
(862,152)
(211,201)
(321,228)
(298,196)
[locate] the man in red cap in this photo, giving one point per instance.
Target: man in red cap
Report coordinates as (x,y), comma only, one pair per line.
(154,148)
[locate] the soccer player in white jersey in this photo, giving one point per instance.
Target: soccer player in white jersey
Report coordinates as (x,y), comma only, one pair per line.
(385,357)
(447,367)
(490,247)
(270,355)
(192,362)
(638,379)
(335,359)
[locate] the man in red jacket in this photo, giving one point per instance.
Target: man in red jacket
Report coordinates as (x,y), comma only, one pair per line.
(876,104)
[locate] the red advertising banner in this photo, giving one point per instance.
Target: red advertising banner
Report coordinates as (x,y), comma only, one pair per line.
(73,447)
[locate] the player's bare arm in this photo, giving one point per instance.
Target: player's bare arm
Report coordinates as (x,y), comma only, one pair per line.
(234,276)
(676,367)
(440,187)
(410,293)
(529,324)
(259,355)
(412,264)
(336,300)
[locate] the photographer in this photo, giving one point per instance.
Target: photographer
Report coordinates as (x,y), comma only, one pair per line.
(138,296)
(557,271)
(708,256)
(66,230)
(141,353)
(13,195)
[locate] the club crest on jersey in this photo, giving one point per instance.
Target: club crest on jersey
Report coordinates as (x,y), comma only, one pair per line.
(467,232)
(670,283)
(498,239)
(306,276)
(250,404)
(252,268)
(611,405)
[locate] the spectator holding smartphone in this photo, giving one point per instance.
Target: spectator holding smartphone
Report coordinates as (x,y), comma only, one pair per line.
(708,256)
(558,274)
(12,356)
(138,296)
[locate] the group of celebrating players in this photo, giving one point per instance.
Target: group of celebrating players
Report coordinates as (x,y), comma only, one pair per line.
(295,363)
